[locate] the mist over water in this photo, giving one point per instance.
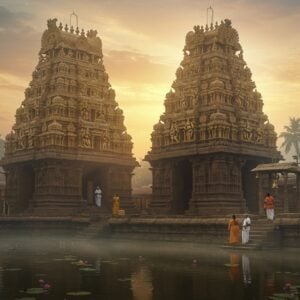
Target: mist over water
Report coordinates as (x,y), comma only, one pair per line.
(49,267)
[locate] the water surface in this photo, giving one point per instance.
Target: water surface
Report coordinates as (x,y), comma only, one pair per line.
(52,268)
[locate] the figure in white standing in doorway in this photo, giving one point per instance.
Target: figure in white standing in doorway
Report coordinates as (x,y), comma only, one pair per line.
(98,196)
(246,230)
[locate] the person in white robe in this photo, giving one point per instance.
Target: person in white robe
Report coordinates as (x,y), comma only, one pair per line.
(246,230)
(98,196)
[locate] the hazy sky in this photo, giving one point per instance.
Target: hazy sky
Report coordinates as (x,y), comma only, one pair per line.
(142,45)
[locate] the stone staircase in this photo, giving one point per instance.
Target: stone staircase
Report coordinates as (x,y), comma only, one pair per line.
(262,235)
(94,229)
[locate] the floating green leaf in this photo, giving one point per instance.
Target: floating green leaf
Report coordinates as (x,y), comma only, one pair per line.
(13,269)
(35,291)
(281,296)
(124,279)
(231,265)
(80,293)
(88,269)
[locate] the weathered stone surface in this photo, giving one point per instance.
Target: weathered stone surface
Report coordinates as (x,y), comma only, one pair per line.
(213,130)
(69,134)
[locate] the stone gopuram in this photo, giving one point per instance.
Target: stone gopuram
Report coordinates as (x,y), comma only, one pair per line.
(69,136)
(213,131)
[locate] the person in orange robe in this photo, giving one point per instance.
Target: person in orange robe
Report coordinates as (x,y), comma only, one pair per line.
(269,206)
(234,231)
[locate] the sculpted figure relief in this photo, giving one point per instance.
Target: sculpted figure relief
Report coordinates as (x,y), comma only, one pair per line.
(85,138)
(189,130)
(174,133)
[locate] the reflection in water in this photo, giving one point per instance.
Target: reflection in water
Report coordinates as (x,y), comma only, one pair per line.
(234,272)
(141,283)
(98,265)
(115,271)
(1,278)
(269,284)
(246,269)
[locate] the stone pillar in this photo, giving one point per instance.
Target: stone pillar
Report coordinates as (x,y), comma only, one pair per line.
(298,191)
(11,188)
(270,182)
(285,193)
(118,181)
(161,187)
(260,194)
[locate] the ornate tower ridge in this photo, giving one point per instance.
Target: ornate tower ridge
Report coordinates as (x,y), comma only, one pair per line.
(213,123)
(69,134)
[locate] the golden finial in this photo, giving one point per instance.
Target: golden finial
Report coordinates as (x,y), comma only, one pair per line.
(76,17)
(209,13)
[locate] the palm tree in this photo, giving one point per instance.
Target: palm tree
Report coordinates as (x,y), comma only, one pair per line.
(291,136)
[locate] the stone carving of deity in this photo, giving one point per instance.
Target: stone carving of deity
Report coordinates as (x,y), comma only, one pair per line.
(85,114)
(105,142)
(246,133)
(189,130)
(85,138)
(174,133)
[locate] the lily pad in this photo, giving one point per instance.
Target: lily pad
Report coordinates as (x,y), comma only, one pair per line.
(13,269)
(124,279)
(40,275)
(88,269)
(35,291)
(282,296)
(80,293)
(231,265)
(81,264)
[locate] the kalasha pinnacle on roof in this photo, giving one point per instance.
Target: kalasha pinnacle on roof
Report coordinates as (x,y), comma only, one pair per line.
(213,109)
(68,125)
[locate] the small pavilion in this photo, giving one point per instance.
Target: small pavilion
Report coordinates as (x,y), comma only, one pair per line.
(268,176)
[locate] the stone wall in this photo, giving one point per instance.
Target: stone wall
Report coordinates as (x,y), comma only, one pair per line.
(182,229)
(57,226)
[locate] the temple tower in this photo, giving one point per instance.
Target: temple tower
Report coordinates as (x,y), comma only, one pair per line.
(69,135)
(213,130)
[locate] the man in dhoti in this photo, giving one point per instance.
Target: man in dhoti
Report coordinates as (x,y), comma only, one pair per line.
(98,196)
(269,207)
(246,229)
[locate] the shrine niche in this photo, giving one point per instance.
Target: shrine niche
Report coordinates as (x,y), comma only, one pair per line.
(69,135)
(213,131)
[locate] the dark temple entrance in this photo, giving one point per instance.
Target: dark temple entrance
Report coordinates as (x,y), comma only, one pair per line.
(93,177)
(182,186)
(27,188)
(249,186)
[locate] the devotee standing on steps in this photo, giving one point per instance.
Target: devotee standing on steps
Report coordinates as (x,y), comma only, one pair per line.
(98,196)
(234,231)
(246,230)
(116,205)
(269,206)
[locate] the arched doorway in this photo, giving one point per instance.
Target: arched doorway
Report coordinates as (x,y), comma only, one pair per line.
(182,186)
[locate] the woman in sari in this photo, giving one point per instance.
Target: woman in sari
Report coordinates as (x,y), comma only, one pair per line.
(116,205)
(234,231)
